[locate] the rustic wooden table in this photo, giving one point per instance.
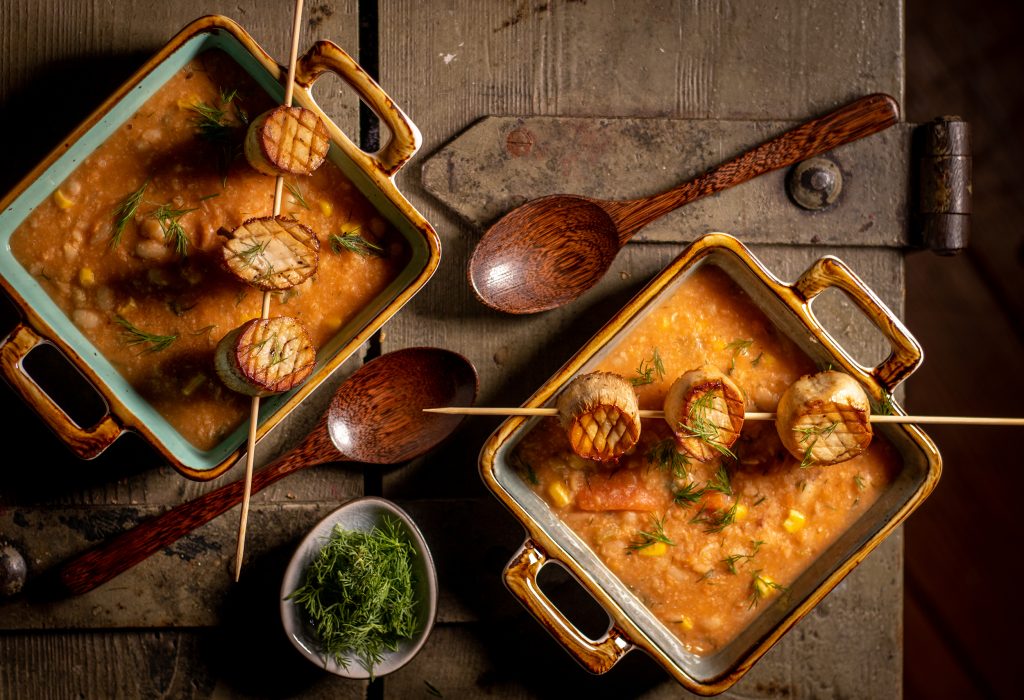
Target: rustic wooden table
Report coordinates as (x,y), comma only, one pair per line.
(176,626)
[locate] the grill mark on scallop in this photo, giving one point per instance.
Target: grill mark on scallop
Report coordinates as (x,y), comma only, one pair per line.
(287,140)
(600,415)
(272,253)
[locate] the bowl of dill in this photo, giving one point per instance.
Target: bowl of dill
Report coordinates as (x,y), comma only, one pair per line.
(359,596)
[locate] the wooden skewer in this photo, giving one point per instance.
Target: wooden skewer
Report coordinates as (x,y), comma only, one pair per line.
(254,410)
(753,415)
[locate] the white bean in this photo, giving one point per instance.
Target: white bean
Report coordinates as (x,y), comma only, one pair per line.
(86,318)
(151,250)
(150,228)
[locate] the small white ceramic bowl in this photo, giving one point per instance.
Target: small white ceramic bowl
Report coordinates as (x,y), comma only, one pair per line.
(359,514)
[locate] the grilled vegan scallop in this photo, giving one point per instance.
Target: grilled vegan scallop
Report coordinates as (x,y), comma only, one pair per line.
(265,356)
(600,415)
(824,418)
(271,253)
(704,408)
(287,140)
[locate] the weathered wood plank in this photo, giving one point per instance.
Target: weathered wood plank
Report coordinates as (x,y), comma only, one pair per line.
(501,162)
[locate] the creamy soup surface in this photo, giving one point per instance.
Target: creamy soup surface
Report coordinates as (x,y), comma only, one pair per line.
(705,545)
(128,245)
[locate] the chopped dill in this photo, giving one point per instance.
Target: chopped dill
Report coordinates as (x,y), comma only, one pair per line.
(759,501)
(359,593)
(214,124)
(648,368)
(664,455)
(169,219)
(732,560)
(706,576)
(698,425)
(757,360)
(645,539)
(125,212)
(296,194)
(136,336)
(256,250)
(687,495)
(858,481)
(738,347)
(204,330)
(813,434)
(760,586)
(354,243)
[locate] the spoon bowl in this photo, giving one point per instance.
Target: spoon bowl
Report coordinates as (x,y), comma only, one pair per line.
(550,250)
(543,254)
(376,416)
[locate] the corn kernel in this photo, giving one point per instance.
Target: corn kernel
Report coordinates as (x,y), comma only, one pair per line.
(740,513)
(62,200)
(559,494)
(764,585)
(657,549)
(86,277)
(124,308)
(686,623)
(333,322)
(188,101)
(325,207)
(795,521)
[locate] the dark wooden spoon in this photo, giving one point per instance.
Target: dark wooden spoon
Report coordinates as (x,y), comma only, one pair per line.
(376,416)
(550,250)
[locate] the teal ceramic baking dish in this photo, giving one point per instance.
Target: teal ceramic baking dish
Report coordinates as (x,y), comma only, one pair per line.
(43,322)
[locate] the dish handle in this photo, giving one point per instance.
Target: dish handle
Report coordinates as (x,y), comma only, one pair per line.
(87,443)
(905,354)
(326,56)
(595,655)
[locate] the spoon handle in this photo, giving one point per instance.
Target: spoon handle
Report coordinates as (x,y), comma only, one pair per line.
(858,119)
(99,565)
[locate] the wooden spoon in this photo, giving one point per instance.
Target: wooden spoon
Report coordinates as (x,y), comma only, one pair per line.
(550,250)
(376,416)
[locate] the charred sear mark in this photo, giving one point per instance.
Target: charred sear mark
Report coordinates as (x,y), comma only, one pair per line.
(102,524)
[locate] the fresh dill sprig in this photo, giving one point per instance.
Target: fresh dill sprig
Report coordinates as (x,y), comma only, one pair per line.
(885,408)
(707,576)
(813,434)
(214,124)
(687,495)
(760,586)
(359,593)
(296,194)
(732,560)
(256,250)
(720,482)
(136,336)
(169,219)
(698,425)
(716,520)
(645,539)
(664,455)
(648,368)
(354,243)
(125,212)
(738,347)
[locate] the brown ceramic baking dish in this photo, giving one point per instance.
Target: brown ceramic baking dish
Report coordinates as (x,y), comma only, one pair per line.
(372,174)
(632,625)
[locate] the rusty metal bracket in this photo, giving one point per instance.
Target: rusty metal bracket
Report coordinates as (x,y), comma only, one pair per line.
(500,162)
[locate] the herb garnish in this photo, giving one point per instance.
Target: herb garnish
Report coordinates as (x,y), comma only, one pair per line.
(720,482)
(136,336)
(665,455)
(125,212)
(698,425)
(815,433)
(687,494)
(709,574)
(858,481)
(738,347)
(646,539)
(732,560)
(716,520)
(885,408)
(760,586)
(757,360)
(296,194)
(359,593)
(213,125)
(169,219)
(648,368)
(354,243)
